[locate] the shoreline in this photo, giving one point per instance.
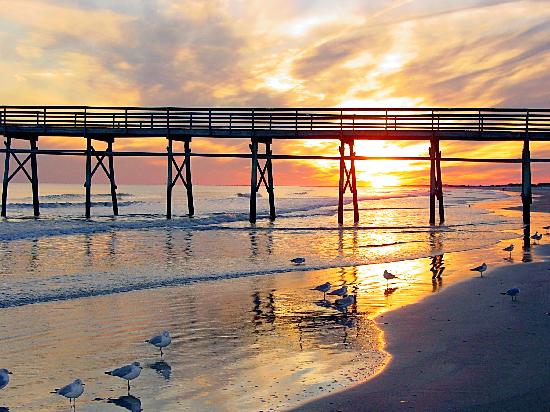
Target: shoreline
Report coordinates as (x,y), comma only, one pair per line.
(446,364)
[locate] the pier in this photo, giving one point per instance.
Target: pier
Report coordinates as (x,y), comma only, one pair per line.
(260,127)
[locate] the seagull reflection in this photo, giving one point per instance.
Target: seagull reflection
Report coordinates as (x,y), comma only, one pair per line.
(162,368)
(128,402)
(389,291)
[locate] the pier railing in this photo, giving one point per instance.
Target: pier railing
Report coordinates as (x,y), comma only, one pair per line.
(278,123)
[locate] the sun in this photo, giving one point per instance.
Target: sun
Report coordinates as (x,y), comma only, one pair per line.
(381,173)
(378,179)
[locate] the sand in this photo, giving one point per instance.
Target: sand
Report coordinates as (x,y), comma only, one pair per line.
(467,349)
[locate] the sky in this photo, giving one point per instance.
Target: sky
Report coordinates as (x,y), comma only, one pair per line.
(268,53)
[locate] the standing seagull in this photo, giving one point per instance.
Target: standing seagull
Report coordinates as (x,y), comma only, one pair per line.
(480,269)
(514,292)
(537,236)
(340,292)
(128,372)
(509,249)
(71,391)
(298,260)
(4,378)
(388,276)
(325,287)
(161,341)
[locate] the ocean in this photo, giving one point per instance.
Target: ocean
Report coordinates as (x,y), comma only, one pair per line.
(80,296)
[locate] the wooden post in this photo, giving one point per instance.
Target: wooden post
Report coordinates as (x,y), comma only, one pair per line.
(353,183)
(112,177)
(169,184)
(526,193)
(88,184)
(439,182)
(270,187)
(341,185)
(432,183)
(7,143)
(34,177)
(253,180)
(188,181)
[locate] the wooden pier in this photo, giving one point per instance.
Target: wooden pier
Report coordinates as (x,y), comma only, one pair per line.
(261,126)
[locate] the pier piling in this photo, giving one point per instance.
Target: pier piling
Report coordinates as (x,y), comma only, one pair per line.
(6,180)
(108,170)
(436,185)
(526,193)
(259,179)
(347,180)
(32,176)
(180,168)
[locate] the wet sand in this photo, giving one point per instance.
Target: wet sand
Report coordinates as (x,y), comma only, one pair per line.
(467,349)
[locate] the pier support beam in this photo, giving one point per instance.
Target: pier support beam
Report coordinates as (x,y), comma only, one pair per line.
(187,181)
(109,171)
(436,185)
(347,179)
(526,193)
(32,176)
(266,181)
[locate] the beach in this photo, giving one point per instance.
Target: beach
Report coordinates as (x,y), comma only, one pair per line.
(248,331)
(467,349)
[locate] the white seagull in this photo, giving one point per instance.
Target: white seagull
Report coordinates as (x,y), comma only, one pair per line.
(340,292)
(160,341)
(514,292)
(128,372)
(298,260)
(537,236)
(4,378)
(325,287)
(388,276)
(480,269)
(71,391)
(509,249)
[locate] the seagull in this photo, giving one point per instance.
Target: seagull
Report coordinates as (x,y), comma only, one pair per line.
(480,269)
(388,276)
(537,236)
(509,249)
(514,292)
(340,292)
(346,301)
(160,341)
(71,391)
(325,287)
(298,260)
(4,378)
(128,372)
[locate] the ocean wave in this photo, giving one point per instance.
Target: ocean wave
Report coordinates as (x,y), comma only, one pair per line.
(55,205)
(76,196)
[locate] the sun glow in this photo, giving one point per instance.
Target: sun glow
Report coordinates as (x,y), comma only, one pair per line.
(382,173)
